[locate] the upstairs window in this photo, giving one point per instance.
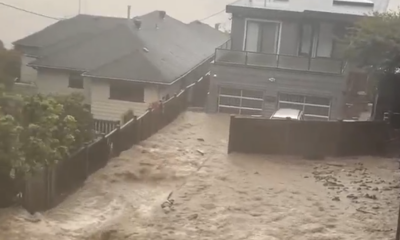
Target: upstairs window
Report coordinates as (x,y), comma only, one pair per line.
(262,36)
(325,40)
(75,80)
(126,91)
(306,40)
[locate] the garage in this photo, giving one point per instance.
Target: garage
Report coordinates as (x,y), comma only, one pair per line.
(314,108)
(242,102)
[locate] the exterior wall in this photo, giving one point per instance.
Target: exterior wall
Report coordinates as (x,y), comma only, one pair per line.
(51,81)
(290,32)
(96,94)
(291,82)
(108,109)
(28,74)
(97,91)
(289,35)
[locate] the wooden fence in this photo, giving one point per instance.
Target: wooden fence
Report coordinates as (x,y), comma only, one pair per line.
(307,138)
(49,187)
(105,126)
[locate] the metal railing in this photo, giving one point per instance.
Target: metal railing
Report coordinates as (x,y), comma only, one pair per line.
(322,65)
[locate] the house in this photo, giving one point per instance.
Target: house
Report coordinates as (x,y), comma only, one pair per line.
(286,54)
(118,63)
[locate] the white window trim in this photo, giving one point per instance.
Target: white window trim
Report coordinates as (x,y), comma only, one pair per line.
(233,96)
(308,104)
(263,20)
(219,105)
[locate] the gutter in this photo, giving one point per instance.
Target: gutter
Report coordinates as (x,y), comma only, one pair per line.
(149,82)
(58,68)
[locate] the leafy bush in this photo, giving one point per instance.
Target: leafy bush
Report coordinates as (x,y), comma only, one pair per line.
(38,131)
(375,42)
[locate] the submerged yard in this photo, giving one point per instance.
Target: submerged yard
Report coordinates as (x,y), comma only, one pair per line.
(218,196)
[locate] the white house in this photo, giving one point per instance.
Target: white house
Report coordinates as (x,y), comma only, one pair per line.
(118,64)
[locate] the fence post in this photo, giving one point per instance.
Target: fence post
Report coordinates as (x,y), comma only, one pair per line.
(86,160)
(150,128)
(286,144)
(159,115)
(398,226)
(339,140)
(231,145)
(136,130)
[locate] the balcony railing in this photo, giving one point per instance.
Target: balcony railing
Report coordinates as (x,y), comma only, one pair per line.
(322,65)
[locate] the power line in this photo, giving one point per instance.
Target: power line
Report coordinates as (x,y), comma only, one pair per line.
(30,12)
(212,15)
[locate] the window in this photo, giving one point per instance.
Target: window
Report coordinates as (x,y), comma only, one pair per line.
(75,81)
(262,37)
(306,40)
(325,40)
(316,40)
(237,101)
(126,91)
(313,107)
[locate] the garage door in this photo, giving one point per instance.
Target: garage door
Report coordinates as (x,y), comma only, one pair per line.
(314,108)
(242,102)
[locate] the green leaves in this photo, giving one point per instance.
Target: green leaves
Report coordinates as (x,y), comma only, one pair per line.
(375,42)
(10,65)
(40,130)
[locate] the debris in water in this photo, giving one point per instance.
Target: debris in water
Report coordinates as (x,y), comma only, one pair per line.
(337,199)
(36,217)
(193,216)
(373,197)
(201,152)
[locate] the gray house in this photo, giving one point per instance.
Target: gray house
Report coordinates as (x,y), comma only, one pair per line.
(118,64)
(286,54)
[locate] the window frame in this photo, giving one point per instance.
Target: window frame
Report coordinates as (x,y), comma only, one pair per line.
(313,33)
(278,33)
(124,87)
(304,103)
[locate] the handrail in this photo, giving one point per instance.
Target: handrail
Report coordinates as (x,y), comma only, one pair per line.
(283,61)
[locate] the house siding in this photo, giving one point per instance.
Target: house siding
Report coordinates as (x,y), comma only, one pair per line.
(108,109)
(291,82)
(51,81)
(96,92)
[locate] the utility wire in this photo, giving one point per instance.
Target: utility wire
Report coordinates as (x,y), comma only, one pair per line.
(30,12)
(215,14)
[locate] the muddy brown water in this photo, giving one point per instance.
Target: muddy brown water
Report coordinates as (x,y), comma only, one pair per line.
(220,196)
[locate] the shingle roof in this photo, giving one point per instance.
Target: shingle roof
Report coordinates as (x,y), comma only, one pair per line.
(312,5)
(160,51)
(69,28)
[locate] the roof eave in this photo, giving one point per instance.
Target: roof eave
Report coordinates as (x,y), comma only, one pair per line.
(244,10)
(210,59)
(124,79)
(56,67)
(332,15)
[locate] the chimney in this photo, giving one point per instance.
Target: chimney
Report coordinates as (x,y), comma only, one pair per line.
(162,14)
(137,22)
(129,11)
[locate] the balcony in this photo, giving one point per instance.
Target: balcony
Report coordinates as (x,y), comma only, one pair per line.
(299,63)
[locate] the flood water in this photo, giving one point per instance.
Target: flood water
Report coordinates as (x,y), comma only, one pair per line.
(16,24)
